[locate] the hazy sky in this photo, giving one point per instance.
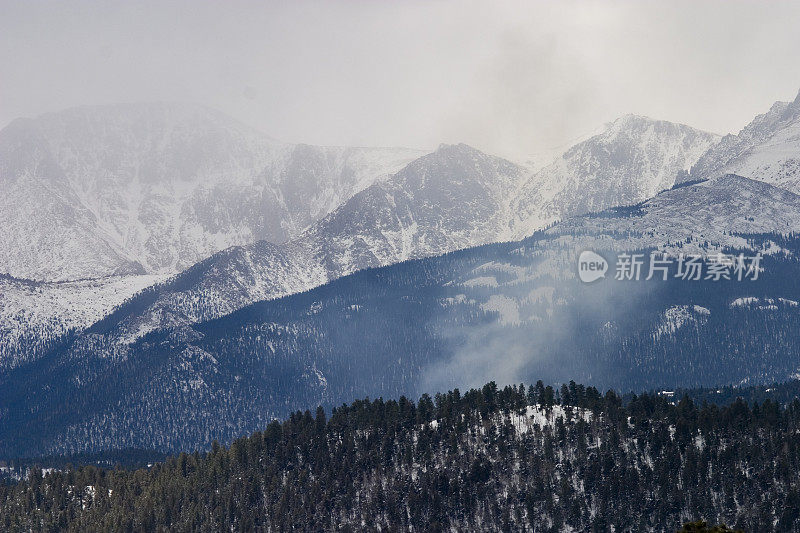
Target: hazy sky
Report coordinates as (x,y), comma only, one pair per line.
(507,77)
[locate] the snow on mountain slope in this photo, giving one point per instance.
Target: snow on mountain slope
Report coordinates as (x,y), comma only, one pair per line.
(45,233)
(508,312)
(151,189)
(701,218)
(450,199)
(633,159)
(155,188)
(767,149)
(221,284)
(32,314)
(455,198)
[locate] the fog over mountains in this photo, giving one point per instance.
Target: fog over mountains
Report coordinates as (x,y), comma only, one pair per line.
(154,188)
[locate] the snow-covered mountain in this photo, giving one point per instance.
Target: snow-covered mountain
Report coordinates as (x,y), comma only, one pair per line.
(767,149)
(358,236)
(154,188)
(631,160)
(223,359)
(453,198)
(704,215)
(96,203)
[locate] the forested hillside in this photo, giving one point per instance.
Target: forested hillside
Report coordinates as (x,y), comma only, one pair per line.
(493,459)
(411,328)
(414,327)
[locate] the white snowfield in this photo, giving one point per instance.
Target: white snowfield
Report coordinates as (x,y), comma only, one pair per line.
(632,160)
(40,312)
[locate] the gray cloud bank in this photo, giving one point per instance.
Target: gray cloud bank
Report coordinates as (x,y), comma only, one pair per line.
(513,78)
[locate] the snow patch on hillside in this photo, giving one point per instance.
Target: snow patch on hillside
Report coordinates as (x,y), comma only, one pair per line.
(33,313)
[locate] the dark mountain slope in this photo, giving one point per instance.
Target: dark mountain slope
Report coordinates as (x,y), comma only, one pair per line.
(508,312)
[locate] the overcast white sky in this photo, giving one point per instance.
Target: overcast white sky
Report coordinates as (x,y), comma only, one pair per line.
(511,78)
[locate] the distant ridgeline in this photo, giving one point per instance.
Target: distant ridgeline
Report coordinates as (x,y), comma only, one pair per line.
(496,312)
(490,459)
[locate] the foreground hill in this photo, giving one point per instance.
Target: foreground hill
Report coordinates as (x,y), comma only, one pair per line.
(490,459)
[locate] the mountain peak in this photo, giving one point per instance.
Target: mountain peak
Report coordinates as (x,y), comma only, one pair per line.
(161,184)
(152,107)
(457,148)
(466,158)
(629,118)
(632,160)
(457,164)
(129,110)
(764,150)
(633,121)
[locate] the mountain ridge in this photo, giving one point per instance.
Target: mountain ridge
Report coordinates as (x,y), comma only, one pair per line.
(632,159)
(766,149)
(390,221)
